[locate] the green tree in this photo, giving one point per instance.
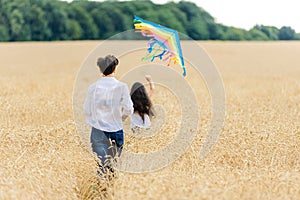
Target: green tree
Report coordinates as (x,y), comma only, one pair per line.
(286,33)
(103,22)
(16,24)
(15,16)
(74,30)
(167,18)
(4,26)
(38,24)
(180,17)
(215,31)
(190,9)
(297,36)
(22,20)
(197,30)
(57,19)
(270,31)
(4,35)
(86,22)
(233,33)
(256,34)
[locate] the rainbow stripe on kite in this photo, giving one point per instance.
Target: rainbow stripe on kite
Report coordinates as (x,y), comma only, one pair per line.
(164,43)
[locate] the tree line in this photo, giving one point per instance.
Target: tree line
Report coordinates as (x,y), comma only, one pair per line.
(48,20)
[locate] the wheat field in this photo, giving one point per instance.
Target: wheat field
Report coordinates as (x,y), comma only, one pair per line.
(257,155)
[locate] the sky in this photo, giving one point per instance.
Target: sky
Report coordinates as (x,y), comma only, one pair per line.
(247,13)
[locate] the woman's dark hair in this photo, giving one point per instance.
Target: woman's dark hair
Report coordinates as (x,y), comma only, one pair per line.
(107,64)
(141,102)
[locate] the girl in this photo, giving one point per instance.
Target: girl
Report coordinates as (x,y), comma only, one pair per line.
(142,104)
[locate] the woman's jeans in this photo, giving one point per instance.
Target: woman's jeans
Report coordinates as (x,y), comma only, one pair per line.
(107,146)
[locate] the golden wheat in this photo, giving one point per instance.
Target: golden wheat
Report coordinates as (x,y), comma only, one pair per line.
(256,157)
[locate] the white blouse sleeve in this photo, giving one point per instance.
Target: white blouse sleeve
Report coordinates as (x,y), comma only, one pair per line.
(87,107)
(126,102)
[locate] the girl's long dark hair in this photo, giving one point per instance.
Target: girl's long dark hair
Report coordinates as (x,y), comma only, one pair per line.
(141,101)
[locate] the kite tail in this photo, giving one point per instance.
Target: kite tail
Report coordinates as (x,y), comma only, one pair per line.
(160,56)
(184,71)
(168,55)
(154,55)
(151,55)
(151,43)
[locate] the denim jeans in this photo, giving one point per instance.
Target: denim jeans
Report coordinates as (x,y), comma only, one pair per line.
(107,146)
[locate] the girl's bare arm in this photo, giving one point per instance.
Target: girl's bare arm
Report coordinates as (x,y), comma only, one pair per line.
(149,79)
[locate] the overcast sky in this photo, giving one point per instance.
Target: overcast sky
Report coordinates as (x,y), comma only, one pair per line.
(247,13)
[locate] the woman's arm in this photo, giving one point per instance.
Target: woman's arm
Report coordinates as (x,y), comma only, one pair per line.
(149,79)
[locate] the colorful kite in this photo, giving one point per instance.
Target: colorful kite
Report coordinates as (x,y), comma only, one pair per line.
(164,43)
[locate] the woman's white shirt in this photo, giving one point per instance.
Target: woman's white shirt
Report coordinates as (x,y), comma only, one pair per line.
(137,121)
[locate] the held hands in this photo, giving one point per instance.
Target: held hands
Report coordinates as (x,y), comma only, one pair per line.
(124,117)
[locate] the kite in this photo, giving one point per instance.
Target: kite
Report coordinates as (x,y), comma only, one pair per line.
(163,44)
